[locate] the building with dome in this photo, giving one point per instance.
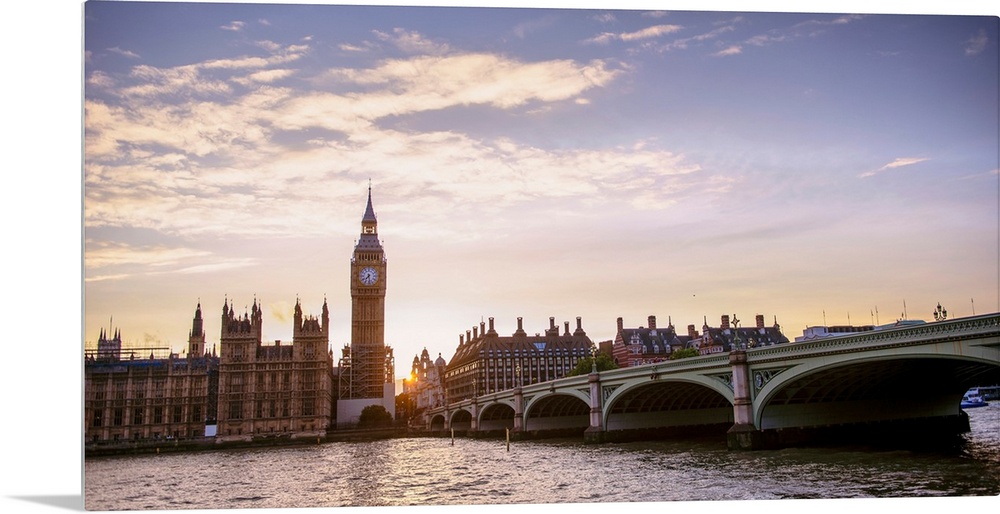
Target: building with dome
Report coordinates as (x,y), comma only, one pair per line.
(426,384)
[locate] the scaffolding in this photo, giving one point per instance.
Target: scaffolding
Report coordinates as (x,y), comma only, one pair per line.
(364,371)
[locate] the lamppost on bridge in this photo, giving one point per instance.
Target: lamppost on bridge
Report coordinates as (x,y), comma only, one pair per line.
(593,358)
(737,344)
(940,314)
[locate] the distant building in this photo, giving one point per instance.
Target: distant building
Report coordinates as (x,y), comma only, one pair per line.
(426,382)
(149,394)
(268,390)
(647,345)
(830,331)
(251,389)
(724,337)
(486,362)
(821,331)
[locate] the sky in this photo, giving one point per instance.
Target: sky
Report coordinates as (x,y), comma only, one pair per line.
(534,163)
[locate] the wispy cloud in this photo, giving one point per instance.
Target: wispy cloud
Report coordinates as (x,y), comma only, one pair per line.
(647,33)
(730,50)
(126,53)
(101,255)
(235,26)
(684,43)
(897,163)
(977,43)
(412,42)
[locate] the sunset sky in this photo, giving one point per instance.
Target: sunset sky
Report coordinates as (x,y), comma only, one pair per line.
(531,162)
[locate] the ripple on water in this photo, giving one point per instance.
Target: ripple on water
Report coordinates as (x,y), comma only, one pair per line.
(432,472)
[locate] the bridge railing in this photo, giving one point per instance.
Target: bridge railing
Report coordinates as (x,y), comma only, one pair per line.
(970,326)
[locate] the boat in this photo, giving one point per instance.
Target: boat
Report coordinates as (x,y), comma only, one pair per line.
(971,400)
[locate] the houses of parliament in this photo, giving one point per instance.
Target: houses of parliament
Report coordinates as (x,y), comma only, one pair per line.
(249,389)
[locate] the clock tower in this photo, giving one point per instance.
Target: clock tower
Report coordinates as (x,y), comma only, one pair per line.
(368,280)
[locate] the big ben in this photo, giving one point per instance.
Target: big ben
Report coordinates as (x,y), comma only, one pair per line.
(370,362)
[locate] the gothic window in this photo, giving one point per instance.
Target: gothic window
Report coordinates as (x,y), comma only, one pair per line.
(137,416)
(119,414)
(236,410)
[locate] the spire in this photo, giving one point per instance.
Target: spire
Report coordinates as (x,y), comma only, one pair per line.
(369,211)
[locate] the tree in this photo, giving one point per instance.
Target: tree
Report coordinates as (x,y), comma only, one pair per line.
(684,353)
(585,365)
(374,416)
(406,406)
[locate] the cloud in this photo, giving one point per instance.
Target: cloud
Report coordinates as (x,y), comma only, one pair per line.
(354,48)
(412,42)
(235,26)
(731,50)
(264,77)
(169,156)
(100,79)
(684,43)
(647,33)
(217,266)
(126,53)
(105,254)
(977,43)
(897,163)
(605,17)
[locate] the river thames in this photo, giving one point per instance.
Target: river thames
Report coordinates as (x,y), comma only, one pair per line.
(434,471)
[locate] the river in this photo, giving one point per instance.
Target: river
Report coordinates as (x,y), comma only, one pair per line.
(434,471)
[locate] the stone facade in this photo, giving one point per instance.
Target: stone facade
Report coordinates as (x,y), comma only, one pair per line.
(138,396)
(486,362)
(271,390)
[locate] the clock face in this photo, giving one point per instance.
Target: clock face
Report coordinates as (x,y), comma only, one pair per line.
(368,276)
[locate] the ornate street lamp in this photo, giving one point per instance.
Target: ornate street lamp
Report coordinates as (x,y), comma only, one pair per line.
(940,314)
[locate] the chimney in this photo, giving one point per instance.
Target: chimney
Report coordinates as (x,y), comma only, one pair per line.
(461,340)
(468,336)
(621,325)
(552,323)
(482,328)
(520,328)
(725,322)
(652,322)
(492,331)
(760,321)
(692,333)
(579,326)
(475,332)
(567,329)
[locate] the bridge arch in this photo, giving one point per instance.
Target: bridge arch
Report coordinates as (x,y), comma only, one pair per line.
(852,388)
(496,416)
(684,401)
(437,422)
(461,419)
(562,411)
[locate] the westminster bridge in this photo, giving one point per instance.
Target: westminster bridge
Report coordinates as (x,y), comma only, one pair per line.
(898,383)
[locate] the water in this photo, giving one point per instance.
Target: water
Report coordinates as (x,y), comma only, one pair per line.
(429,471)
